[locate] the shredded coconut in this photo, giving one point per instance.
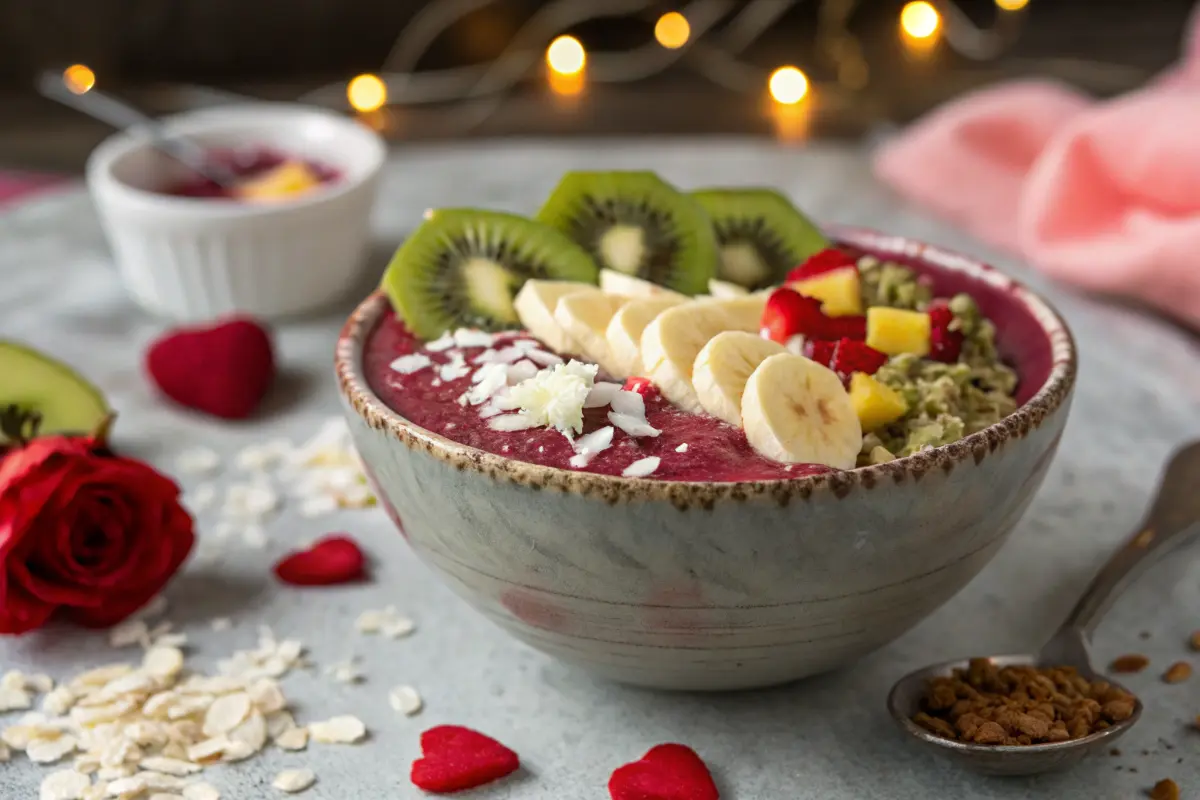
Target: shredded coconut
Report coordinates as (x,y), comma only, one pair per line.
(555,396)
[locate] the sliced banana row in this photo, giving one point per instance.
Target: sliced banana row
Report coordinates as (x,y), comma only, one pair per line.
(704,355)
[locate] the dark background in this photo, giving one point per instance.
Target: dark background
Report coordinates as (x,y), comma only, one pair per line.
(145,50)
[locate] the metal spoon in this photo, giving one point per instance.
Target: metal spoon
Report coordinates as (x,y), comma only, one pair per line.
(107,108)
(1173,518)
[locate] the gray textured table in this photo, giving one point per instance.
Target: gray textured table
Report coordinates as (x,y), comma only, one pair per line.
(827,738)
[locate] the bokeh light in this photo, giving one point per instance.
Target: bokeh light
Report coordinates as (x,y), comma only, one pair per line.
(1012,5)
(672,30)
(920,20)
(366,93)
(79,78)
(566,56)
(788,85)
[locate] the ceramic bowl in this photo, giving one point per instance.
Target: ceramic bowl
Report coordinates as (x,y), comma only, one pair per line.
(193,259)
(713,586)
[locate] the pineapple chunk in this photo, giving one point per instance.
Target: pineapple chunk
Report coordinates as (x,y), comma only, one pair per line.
(875,403)
(288,179)
(838,292)
(895,331)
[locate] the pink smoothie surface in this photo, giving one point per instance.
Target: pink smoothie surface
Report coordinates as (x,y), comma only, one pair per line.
(716,451)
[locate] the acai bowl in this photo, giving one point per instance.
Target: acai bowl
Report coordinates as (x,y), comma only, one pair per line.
(801,443)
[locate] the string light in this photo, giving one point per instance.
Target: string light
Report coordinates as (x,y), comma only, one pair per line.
(672,30)
(366,93)
(79,78)
(788,85)
(1012,5)
(566,56)
(920,20)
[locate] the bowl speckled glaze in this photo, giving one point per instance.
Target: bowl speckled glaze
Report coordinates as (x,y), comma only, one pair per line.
(715,586)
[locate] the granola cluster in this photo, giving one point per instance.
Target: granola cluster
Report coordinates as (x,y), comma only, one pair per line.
(1020,705)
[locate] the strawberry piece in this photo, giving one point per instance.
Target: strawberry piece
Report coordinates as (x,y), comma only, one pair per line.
(454,758)
(827,260)
(789,313)
(642,386)
(224,370)
(666,772)
(331,560)
(820,350)
(851,356)
(850,327)
(944,344)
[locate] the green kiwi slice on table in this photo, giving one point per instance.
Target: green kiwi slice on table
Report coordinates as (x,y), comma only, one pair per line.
(760,233)
(638,224)
(64,401)
(462,267)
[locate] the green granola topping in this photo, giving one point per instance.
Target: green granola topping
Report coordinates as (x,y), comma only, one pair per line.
(945,401)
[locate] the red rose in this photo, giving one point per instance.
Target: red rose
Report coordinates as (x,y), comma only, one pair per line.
(91,536)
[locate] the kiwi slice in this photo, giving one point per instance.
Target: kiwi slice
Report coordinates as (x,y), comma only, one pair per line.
(462,267)
(638,224)
(760,233)
(35,382)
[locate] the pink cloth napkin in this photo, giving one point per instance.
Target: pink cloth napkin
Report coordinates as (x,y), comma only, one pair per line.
(1105,195)
(16,186)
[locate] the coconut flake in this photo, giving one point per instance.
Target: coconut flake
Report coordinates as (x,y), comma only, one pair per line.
(443,342)
(588,445)
(631,403)
(602,394)
(543,358)
(521,371)
(472,337)
(454,369)
(633,426)
(488,379)
(505,355)
(414,362)
(511,422)
(198,461)
(682,448)
(405,700)
(343,729)
(292,739)
(294,780)
(66,784)
(642,467)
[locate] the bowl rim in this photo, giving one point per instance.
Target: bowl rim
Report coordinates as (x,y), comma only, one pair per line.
(215,119)
(1052,395)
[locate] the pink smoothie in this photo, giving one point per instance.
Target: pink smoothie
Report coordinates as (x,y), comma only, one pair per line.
(716,451)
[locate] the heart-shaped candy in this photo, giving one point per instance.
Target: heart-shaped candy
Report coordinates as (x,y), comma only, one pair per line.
(454,758)
(333,559)
(666,772)
(223,370)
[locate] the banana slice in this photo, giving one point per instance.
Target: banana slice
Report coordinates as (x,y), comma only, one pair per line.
(615,282)
(624,332)
(585,317)
(718,288)
(722,368)
(535,305)
(675,337)
(796,411)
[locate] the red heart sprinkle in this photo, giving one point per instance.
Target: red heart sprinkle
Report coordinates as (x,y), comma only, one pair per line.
(454,758)
(827,260)
(666,772)
(642,386)
(223,370)
(331,560)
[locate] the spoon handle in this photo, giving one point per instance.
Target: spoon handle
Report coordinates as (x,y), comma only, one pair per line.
(1172,519)
(109,109)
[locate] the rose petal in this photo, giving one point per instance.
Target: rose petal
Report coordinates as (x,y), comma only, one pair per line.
(331,560)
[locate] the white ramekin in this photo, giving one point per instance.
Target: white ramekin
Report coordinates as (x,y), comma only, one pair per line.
(194,259)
